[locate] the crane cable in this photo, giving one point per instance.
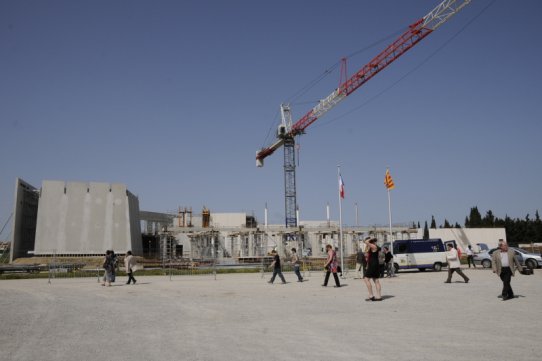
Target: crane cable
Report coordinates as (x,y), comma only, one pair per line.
(333,67)
(329,70)
(376,96)
(5,224)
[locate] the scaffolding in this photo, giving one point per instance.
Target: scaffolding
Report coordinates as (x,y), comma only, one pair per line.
(184,217)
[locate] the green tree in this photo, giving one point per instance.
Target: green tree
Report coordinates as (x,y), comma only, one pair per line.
(425,231)
(433,223)
(446,224)
(530,233)
(537,228)
(489,220)
(475,219)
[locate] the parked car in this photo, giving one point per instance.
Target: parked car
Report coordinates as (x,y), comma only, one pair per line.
(529,260)
(482,258)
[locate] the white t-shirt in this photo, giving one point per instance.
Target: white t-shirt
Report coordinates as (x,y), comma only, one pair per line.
(504,259)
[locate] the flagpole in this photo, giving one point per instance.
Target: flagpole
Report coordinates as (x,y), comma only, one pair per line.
(340,218)
(265,216)
(389,216)
(356,208)
(388,182)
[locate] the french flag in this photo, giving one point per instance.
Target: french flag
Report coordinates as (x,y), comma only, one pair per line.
(341,186)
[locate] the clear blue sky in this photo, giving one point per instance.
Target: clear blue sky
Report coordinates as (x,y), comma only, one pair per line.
(173,98)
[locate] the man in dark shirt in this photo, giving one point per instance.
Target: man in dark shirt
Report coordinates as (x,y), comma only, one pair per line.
(276,267)
(388,259)
(361,263)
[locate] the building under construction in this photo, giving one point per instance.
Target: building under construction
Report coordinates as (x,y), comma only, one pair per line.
(85,219)
(238,237)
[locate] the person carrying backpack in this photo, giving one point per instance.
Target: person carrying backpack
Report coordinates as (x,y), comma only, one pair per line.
(108,266)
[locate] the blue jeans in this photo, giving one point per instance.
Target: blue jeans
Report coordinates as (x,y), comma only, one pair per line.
(277,271)
(297,273)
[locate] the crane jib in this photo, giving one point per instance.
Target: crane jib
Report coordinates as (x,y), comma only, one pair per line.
(415,33)
(405,42)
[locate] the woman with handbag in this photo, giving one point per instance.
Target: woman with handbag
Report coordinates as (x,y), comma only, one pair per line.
(331,266)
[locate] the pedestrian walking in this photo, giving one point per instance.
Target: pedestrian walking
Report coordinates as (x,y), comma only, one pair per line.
(504,264)
(331,266)
(296,264)
(388,259)
(108,266)
(360,263)
(381,262)
(470,256)
(276,268)
(115,262)
(373,270)
(454,265)
(129,264)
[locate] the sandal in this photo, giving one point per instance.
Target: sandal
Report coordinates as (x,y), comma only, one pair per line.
(370,299)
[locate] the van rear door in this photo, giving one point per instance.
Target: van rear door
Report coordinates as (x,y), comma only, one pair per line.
(401,254)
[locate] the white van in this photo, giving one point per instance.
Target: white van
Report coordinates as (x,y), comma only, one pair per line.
(419,253)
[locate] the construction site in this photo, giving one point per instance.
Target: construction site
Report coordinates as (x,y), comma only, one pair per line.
(84,219)
(75,219)
(68,226)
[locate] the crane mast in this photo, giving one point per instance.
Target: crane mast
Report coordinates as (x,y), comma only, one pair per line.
(287,132)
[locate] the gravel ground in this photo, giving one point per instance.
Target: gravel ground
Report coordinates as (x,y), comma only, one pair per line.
(242,317)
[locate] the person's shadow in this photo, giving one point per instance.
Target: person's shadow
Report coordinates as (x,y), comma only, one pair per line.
(515,296)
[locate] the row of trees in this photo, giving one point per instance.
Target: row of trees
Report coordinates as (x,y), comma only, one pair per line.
(517,230)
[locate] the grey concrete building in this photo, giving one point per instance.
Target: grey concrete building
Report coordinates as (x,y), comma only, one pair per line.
(25,209)
(75,218)
(87,218)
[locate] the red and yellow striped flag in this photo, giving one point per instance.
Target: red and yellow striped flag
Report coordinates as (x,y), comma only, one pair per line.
(388,182)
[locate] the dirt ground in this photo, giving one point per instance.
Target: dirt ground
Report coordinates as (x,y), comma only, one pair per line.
(242,317)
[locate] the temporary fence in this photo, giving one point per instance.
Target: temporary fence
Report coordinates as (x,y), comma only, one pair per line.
(57,267)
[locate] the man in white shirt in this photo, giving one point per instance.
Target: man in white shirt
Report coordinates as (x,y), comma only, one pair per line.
(454,264)
(504,264)
(129,263)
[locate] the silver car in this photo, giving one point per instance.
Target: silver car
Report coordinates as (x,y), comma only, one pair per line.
(482,258)
(529,260)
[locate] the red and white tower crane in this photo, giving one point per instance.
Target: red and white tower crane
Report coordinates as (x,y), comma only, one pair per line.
(287,131)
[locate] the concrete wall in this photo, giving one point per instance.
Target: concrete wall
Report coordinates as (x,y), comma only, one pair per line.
(25,208)
(88,218)
(154,222)
(228,219)
(218,220)
(466,236)
(134,227)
